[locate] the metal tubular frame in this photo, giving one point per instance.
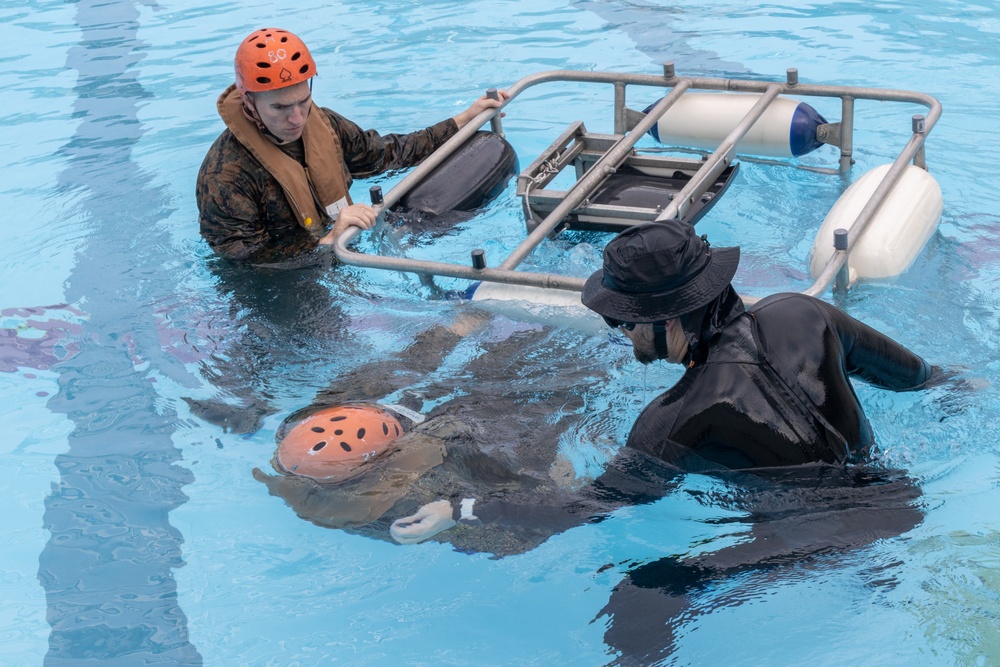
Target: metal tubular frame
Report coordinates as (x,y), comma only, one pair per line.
(594,176)
(720,159)
(623,147)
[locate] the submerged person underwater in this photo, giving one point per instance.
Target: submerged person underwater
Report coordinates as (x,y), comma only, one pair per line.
(483,457)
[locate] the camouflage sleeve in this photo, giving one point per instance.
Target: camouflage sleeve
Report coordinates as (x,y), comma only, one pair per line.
(367,153)
(227,208)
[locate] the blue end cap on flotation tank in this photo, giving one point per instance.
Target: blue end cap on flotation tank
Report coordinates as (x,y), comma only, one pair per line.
(655,130)
(468,294)
(802,133)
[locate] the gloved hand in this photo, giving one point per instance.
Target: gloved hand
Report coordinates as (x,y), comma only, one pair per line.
(426,522)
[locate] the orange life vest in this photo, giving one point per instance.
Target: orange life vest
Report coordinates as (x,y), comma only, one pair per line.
(315,192)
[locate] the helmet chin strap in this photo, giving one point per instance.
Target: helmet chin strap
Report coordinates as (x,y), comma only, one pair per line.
(660,339)
(250,111)
(669,339)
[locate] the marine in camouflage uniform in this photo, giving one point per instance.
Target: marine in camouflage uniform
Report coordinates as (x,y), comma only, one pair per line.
(276,182)
(243,211)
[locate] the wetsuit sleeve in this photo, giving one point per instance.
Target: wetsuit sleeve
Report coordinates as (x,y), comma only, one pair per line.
(873,356)
(548,514)
(631,478)
(366,152)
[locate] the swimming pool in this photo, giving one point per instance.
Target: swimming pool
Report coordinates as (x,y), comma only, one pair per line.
(135,533)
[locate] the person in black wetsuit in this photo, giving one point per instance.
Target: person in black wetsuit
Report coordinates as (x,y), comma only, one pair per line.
(764,387)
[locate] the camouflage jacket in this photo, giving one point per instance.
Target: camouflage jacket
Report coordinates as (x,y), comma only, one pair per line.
(243,212)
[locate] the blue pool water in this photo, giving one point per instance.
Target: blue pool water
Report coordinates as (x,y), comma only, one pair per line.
(134,532)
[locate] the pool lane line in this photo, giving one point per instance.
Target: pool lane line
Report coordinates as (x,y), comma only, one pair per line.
(107,568)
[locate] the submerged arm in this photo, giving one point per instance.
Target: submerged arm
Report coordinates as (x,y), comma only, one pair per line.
(816,341)
(420,358)
(631,478)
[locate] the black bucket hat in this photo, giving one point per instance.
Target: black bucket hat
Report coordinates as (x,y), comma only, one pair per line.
(657,271)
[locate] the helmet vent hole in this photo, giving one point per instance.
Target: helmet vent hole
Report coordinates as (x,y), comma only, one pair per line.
(338,418)
(338,432)
(361,434)
(303,69)
(261,45)
(296,55)
(318,446)
(346,447)
(385,429)
(264,65)
(397,429)
(318,429)
(284,38)
(263,80)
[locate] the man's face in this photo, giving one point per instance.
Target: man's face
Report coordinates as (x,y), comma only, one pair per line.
(642,342)
(284,111)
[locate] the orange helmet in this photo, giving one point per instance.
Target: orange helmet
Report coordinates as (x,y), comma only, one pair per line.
(331,444)
(270,59)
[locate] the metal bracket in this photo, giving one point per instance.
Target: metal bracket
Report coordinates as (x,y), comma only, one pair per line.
(829,134)
(632,118)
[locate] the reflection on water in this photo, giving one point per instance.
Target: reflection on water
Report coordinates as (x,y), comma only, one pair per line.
(802,518)
(38,337)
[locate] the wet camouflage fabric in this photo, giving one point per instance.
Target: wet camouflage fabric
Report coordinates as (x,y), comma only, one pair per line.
(243,212)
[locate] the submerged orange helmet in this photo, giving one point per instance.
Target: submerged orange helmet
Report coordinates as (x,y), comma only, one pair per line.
(330,445)
(270,59)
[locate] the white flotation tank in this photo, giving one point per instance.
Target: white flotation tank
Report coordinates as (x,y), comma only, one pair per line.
(895,236)
(704,120)
(547,306)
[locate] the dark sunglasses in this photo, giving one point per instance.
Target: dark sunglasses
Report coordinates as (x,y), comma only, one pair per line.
(618,324)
